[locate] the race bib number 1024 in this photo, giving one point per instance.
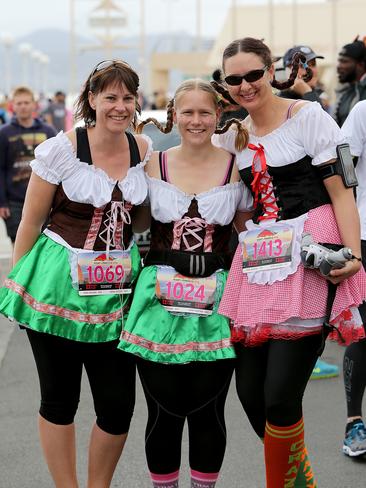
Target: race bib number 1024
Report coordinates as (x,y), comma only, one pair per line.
(180,294)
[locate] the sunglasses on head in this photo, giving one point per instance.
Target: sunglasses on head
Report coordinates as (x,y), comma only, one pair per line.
(107,64)
(250,77)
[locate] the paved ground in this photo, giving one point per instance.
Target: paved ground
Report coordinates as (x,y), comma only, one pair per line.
(5,256)
(21,464)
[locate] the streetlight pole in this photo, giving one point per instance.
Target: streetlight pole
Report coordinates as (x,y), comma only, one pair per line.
(36,57)
(142,57)
(198,26)
(25,49)
(270,23)
(72,72)
(334,42)
(294,22)
(7,41)
(334,20)
(233,19)
(44,61)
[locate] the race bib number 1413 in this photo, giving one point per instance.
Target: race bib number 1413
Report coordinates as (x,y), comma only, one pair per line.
(267,247)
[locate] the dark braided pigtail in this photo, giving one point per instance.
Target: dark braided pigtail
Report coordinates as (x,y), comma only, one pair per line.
(296,60)
(164,129)
(242,136)
(223,92)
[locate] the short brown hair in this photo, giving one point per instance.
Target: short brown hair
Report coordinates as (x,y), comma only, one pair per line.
(117,72)
(22,90)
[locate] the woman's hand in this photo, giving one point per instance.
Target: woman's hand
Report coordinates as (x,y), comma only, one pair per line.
(350,268)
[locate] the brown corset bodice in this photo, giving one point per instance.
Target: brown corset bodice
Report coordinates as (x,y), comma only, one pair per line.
(163,235)
(80,224)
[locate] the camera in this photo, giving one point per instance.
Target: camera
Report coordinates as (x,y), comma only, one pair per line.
(316,256)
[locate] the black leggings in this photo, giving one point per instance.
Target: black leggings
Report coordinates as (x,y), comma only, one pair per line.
(111,375)
(354,372)
(354,364)
(271,380)
(196,391)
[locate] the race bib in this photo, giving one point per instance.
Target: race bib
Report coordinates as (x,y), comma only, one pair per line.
(102,274)
(267,247)
(180,294)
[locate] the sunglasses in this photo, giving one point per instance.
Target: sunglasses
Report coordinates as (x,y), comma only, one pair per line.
(107,64)
(251,77)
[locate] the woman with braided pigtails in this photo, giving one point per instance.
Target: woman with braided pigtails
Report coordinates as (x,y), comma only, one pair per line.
(281,312)
(185,356)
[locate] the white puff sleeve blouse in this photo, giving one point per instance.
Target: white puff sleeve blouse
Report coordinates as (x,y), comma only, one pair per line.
(56,162)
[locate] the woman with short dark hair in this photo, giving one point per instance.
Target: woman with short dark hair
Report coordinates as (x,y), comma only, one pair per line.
(72,282)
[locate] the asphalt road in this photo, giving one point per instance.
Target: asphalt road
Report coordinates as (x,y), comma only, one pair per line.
(22,466)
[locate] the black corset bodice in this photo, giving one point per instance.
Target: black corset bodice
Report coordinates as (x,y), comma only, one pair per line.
(297,187)
(162,234)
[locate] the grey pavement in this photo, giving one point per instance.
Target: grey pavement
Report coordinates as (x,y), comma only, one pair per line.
(5,257)
(22,466)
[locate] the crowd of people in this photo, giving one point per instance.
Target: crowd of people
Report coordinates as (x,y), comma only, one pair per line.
(260,159)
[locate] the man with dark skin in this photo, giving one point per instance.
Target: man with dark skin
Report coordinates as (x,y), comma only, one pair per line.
(351,70)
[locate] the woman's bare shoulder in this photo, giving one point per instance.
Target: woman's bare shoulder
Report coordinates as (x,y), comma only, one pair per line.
(152,167)
(142,144)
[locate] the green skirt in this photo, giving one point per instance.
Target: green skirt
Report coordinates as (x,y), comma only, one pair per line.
(157,335)
(39,294)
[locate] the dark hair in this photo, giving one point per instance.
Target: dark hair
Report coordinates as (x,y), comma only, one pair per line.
(257,47)
(242,137)
(117,72)
(356,50)
(217,75)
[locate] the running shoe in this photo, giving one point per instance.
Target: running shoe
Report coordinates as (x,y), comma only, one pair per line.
(355,442)
(324,370)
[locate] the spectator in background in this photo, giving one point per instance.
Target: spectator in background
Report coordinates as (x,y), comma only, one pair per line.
(43,103)
(143,102)
(160,100)
(55,114)
(18,140)
(354,363)
(311,90)
(351,69)
(2,115)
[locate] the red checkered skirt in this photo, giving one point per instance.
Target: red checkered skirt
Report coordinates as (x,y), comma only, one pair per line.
(260,312)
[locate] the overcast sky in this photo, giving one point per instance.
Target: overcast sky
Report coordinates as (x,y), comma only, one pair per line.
(21,17)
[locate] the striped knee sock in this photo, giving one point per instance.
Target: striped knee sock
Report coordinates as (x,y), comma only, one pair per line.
(203,480)
(283,448)
(165,480)
(305,477)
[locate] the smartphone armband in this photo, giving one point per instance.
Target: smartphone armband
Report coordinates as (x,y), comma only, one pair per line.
(343,166)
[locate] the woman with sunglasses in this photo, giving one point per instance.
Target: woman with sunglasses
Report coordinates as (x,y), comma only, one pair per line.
(185,355)
(278,312)
(71,283)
